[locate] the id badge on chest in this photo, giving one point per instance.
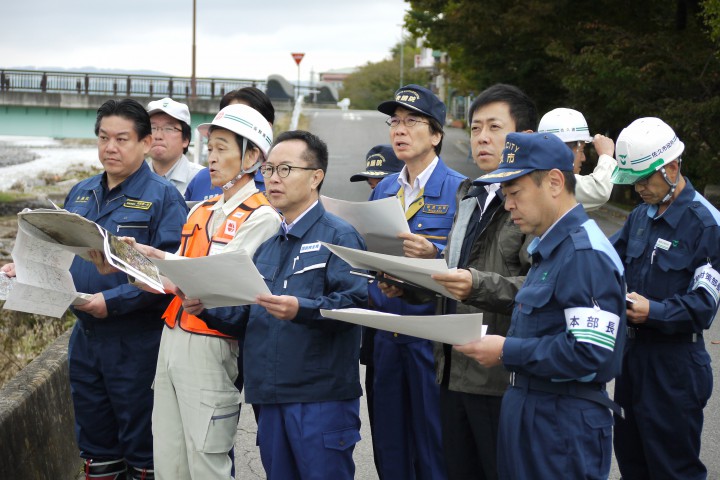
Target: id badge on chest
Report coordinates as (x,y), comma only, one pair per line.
(216,247)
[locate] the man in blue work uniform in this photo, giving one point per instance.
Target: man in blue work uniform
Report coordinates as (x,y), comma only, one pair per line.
(114,344)
(301,368)
(568,326)
(670,246)
(407,418)
(380,162)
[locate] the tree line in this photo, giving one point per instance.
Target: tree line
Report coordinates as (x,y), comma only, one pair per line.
(613,60)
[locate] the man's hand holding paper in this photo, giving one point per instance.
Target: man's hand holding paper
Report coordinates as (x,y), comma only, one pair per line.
(487,351)
(417,246)
(457,281)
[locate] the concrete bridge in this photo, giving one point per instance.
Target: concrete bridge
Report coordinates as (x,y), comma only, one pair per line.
(63,104)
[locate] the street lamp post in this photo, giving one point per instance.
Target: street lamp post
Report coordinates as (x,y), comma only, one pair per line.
(193,90)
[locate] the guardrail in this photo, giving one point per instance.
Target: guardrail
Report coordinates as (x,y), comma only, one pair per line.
(117,84)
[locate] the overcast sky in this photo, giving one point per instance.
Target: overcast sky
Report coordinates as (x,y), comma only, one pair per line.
(234,38)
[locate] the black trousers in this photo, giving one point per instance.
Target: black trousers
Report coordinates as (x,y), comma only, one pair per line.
(469,431)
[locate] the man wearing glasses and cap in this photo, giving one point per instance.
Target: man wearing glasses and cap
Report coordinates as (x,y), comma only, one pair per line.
(567,331)
(407,421)
(170,123)
(380,162)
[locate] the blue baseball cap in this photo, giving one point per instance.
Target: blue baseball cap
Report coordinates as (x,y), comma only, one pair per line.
(419,99)
(380,162)
(527,152)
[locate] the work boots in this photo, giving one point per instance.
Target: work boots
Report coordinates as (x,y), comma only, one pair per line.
(105,469)
(135,473)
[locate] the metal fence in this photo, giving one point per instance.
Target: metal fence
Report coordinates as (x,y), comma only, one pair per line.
(116,84)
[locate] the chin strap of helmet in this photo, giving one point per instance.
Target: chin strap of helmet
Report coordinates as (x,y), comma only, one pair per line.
(672,185)
(252,169)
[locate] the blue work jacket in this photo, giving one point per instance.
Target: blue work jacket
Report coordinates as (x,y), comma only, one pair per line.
(309,358)
(574,265)
(662,254)
(430,215)
(144,206)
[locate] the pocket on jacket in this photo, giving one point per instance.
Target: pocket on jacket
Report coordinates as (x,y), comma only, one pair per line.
(529,302)
(132,224)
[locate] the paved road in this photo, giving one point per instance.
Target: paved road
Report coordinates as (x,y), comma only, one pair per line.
(349,136)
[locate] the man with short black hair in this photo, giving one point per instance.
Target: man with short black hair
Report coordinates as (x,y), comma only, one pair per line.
(171,132)
(301,368)
(491,261)
(114,344)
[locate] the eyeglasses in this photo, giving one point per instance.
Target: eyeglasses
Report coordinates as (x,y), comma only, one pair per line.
(282,170)
(643,182)
(165,130)
(577,147)
(409,122)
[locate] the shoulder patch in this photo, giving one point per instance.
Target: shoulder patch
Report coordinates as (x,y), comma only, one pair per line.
(580,239)
(599,242)
(705,211)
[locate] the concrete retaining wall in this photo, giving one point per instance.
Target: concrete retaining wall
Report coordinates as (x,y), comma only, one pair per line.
(36,420)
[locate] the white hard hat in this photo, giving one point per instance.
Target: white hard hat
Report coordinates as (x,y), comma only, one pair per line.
(568,124)
(643,147)
(177,110)
(246,122)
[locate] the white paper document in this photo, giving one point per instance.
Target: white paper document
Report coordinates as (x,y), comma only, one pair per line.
(43,284)
(222,280)
(413,270)
(69,230)
(453,329)
(379,222)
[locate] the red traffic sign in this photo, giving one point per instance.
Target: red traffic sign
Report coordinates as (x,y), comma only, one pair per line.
(297,57)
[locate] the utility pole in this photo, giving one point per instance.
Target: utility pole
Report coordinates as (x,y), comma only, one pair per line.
(193,83)
(402,54)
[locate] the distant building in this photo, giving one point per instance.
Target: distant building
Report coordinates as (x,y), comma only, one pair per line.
(336,77)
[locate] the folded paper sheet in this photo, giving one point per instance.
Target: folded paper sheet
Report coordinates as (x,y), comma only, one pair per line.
(452,329)
(222,280)
(414,270)
(379,221)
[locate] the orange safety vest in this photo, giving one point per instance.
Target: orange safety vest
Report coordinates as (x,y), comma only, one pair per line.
(197,242)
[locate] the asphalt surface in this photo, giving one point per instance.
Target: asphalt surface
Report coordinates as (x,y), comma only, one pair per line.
(349,136)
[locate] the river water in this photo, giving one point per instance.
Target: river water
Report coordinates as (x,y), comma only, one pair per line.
(26,159)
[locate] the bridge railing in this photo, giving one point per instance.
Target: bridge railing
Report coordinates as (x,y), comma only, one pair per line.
(119,85)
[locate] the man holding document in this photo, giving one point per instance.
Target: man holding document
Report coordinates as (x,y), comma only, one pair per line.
(407,424)
(490,254)
(114,344)
(301,368)
(197,405)
(567,331)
